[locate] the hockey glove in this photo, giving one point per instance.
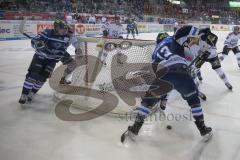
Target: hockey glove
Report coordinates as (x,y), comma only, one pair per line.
(202,59)
(39,45)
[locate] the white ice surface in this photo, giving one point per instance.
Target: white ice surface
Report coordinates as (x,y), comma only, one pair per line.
(35,133)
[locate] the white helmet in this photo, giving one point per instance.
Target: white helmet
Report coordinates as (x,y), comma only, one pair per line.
(183,34)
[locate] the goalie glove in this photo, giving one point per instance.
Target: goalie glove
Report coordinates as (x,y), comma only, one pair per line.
(202,59)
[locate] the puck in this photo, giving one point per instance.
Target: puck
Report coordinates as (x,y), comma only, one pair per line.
(169,127)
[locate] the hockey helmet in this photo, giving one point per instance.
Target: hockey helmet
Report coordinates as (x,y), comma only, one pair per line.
(208,37)
(60,25)
(161,36)
(184,35)
(235,29)
(203,33)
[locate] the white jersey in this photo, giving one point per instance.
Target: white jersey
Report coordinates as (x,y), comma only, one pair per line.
(176,24)
(115,31)
(70,20)
(232,40)
(92,19)
(195,50)
(105,26)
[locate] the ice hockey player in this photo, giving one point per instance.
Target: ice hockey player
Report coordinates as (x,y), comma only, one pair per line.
(163,99)
(176,25)
(115,30)
(131,27)
(170,53)
(50,47)
(136,26)
(231,43)
(209,41)
(105,28)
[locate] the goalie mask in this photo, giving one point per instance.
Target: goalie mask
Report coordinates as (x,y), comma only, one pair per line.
(60,27)
(161,36)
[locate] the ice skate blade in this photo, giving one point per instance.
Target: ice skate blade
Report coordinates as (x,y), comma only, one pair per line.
(128,136)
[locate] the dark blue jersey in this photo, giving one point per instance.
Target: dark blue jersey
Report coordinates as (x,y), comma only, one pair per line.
(168,52)
(131,26)
(54,47)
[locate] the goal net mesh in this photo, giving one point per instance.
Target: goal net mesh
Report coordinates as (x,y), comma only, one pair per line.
(120,53)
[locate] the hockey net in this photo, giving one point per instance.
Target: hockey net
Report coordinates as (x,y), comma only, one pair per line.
(135,52)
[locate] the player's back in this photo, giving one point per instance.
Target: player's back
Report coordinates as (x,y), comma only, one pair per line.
(168,52)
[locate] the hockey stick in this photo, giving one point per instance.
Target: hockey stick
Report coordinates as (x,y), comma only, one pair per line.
(21,29)
(229,48)
(194,60)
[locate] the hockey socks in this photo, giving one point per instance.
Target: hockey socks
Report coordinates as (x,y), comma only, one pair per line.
(222,75)
(238,59)
(37,85)
(27,87)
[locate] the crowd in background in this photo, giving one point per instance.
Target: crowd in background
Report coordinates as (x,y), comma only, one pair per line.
(216,11)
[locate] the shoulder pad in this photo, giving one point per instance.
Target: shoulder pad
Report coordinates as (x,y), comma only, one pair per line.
(48,32)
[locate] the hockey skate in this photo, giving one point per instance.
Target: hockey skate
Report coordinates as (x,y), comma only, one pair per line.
(30,97)
(206,132)
(131,132)
(23,99)
(202,96)
(228,85)
(64,81)
(199,78)
(163,104)
(221,58)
